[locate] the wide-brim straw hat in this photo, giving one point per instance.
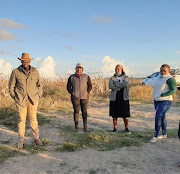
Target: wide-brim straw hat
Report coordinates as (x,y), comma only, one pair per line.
(25,56)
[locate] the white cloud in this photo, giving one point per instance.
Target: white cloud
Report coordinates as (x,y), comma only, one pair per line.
(109,65)
(5,68)
(101,19)
(47,68)
(8,23)
(6,35)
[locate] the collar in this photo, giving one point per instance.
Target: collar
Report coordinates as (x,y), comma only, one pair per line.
(78,75)
(21,69)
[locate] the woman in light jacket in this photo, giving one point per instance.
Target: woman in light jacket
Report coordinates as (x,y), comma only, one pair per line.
(164,87)
(119,97)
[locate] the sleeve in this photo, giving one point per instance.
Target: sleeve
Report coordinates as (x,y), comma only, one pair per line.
(124,83)
(39,85)
(112,86)
(89,84)
(172,86)
(12,83)
(69,86)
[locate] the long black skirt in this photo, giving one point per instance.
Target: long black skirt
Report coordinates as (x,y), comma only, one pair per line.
(120,107)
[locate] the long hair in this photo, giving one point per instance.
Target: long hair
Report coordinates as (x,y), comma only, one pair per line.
(118,65)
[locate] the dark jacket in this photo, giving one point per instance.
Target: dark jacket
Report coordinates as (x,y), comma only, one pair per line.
(79,87)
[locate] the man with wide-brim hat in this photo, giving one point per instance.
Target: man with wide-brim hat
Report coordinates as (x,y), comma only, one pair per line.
(25,88)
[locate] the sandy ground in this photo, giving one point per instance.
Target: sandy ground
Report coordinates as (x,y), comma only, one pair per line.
(161,157)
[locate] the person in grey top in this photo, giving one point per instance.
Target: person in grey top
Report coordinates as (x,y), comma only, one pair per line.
(79,86)
(119,97)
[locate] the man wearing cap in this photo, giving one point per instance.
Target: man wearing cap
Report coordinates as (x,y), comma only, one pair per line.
(25,88)
(79,86)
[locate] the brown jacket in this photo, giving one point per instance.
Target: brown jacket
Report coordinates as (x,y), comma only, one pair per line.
(79,87)
(22,86)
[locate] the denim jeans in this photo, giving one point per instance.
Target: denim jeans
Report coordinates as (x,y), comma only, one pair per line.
(161,108)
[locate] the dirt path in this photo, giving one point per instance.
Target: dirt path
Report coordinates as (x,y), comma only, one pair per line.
(161,157)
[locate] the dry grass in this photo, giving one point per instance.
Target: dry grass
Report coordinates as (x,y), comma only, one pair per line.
(56,97)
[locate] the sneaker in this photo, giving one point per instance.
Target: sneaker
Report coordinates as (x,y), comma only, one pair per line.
(114,131)
(38,142)
(162,137)
(20,145)
(153,140)
(127,131)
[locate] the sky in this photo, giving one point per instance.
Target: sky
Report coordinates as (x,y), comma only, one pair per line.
(139,34)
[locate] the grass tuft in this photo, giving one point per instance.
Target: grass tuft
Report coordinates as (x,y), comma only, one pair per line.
(101,140)
(7,152)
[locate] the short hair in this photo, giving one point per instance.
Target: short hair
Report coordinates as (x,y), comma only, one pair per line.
(166,66)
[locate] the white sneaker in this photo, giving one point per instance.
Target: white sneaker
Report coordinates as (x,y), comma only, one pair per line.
(153,140)
(162,137)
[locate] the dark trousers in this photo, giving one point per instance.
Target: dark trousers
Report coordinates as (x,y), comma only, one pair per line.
(77,104)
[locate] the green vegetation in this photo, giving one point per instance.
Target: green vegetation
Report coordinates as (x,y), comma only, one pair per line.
(101,140)
(42,120)
(92,171)
(33,149)
(7,152)
(104,140)
(172,133)
(9,118)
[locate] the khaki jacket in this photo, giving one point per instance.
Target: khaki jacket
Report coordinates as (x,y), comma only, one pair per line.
(115,85)
(22,86)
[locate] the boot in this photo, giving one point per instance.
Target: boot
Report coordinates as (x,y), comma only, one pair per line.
(76,127)
(86,128)
(38,142)
(20,145)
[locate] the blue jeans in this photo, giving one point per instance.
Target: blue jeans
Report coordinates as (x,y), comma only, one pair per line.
(161,108)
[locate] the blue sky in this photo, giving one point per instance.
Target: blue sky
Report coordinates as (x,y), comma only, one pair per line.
(141,34)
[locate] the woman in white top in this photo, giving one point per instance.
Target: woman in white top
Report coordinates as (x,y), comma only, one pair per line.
(164,87)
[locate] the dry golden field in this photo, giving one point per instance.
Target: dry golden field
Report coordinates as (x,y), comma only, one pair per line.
(56,97)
